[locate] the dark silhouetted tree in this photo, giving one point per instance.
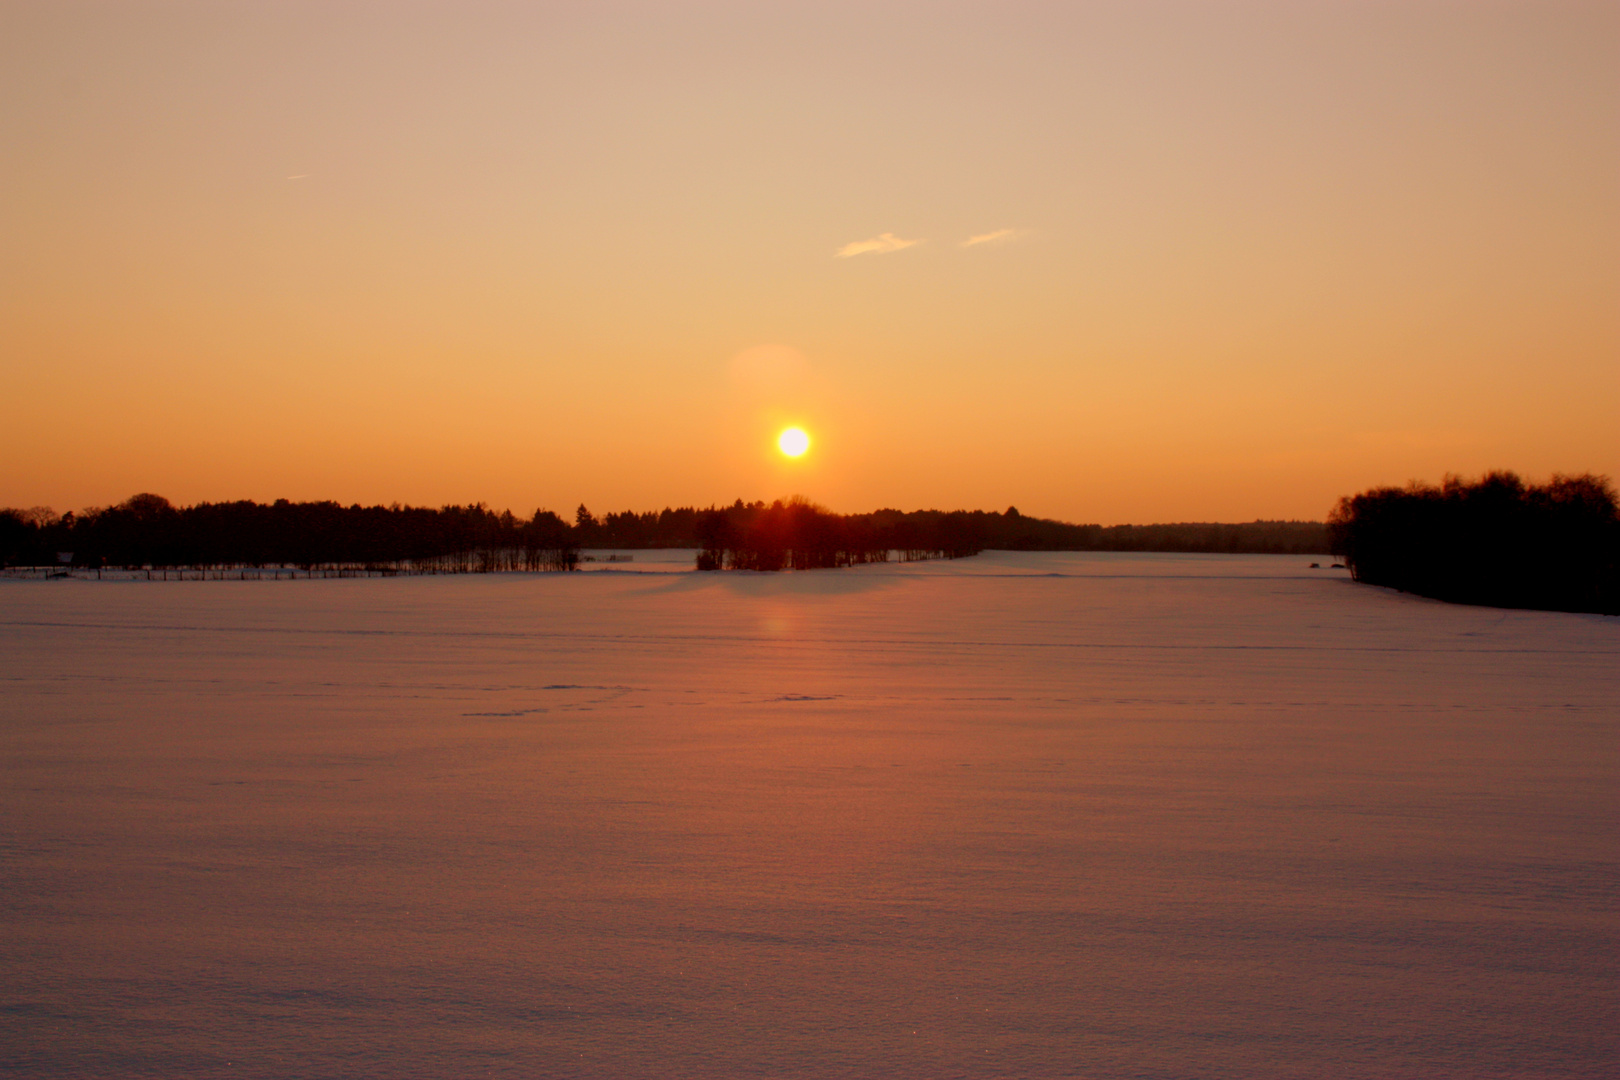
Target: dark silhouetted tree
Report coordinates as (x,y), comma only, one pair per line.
(1495,540)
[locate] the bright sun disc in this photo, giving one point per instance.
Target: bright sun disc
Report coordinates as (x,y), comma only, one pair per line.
(793,442)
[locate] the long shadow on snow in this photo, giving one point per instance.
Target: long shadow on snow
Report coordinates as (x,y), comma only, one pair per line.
(840,582)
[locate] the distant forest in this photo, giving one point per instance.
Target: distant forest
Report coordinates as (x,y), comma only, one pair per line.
(148,531)
(798,535)
(1495,541)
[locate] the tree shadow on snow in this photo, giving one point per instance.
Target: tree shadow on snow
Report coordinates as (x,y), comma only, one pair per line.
(841,582)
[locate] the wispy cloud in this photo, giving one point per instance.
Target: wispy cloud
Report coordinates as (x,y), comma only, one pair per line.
(1000,236)
(300,176)
(881,245)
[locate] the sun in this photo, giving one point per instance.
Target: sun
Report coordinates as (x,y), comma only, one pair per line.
(793,442)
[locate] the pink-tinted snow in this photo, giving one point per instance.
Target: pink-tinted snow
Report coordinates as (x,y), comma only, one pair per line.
(1013,816)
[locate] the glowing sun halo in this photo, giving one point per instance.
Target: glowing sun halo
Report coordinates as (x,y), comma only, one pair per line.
(793,442)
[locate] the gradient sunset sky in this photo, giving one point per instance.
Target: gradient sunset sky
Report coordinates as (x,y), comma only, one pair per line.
(1105,261)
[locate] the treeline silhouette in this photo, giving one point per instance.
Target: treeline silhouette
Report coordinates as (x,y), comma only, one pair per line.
(799,535)
(1495,541)
(1015,532)
(148,531)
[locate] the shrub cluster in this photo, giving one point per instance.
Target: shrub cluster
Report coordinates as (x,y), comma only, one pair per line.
(1495,540)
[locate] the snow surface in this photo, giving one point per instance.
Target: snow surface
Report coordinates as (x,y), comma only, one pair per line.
(1022,815)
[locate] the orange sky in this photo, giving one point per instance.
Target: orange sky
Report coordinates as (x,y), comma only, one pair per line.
(1234,259)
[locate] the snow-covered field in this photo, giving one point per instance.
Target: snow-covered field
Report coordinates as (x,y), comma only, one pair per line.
(1047,815)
